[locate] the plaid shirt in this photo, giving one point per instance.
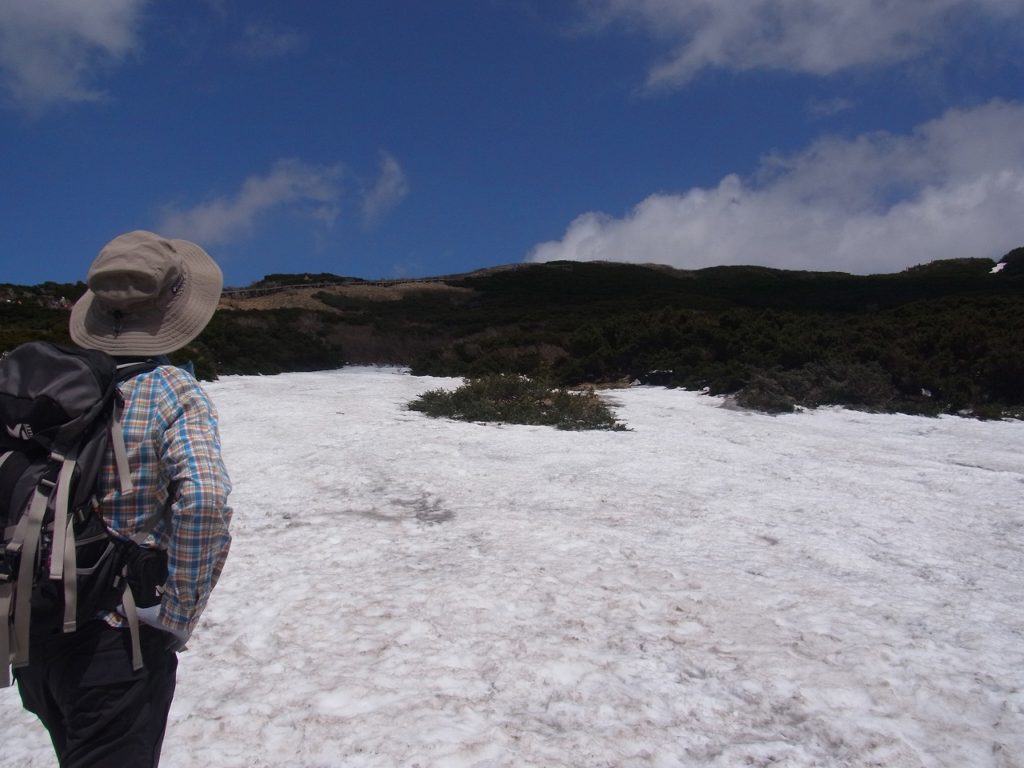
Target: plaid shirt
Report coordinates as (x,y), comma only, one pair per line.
(170,431)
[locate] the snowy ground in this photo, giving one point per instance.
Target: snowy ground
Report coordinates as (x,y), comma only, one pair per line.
(711,588)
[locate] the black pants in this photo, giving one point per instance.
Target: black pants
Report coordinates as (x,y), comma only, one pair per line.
(99,712)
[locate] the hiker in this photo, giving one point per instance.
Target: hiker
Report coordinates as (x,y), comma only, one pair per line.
(147,297)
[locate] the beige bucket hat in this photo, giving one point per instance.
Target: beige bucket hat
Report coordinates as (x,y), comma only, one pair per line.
(147,295)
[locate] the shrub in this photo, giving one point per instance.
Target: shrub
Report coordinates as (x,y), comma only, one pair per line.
(766,394)
(518,400)
(855,385)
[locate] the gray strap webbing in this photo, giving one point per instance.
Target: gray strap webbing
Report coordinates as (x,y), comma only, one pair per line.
(19,534)
(62,536)
(5,457)
(128,598)
(132,615)
(70,581)
(23,595)
(5,634)
(124,472)
(63,558)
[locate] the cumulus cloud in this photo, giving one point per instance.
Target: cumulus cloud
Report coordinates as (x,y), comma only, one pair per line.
(387,191)
(291,185)
(50,50)
(818,37)
(881,202)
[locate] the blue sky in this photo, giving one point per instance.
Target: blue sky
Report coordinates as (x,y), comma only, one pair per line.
(392,138)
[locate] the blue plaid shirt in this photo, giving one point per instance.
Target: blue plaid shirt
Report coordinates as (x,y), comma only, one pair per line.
(170,431)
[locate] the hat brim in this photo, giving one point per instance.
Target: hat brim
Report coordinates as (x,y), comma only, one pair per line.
(154,331)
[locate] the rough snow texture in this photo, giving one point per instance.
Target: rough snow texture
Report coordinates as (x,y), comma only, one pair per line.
(711,588)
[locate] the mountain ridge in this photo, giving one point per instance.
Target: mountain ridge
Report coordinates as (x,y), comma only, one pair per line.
(936,338)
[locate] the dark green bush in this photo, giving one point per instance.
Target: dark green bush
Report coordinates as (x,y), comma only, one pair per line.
(939,338)
(855,385)
(516,399)
(267,342)
(766,394)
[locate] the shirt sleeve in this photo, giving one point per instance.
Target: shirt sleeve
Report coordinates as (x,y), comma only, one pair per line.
(193,468)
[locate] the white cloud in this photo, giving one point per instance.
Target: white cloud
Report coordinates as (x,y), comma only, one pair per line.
(290,185)
(388,191)
(877,203)
(260,41)
(818,37)
(822,108)
(50,49)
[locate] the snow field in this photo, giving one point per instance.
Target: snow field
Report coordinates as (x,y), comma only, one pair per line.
(711,588)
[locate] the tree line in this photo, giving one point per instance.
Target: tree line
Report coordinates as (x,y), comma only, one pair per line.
(943,337)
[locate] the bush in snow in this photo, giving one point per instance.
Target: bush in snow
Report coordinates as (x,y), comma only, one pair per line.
(518,400)
(856,385)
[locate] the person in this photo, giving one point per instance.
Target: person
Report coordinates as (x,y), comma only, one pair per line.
(147,296)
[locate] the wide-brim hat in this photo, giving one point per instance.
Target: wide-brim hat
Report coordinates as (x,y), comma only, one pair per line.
(147,295)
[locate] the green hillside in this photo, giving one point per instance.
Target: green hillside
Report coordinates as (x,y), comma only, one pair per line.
(939,338)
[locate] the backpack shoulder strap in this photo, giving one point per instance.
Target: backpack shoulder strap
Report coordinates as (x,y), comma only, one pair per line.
(125,371)
(24,545)
(63,562)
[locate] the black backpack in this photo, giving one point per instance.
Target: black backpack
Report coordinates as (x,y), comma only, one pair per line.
(60,411)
